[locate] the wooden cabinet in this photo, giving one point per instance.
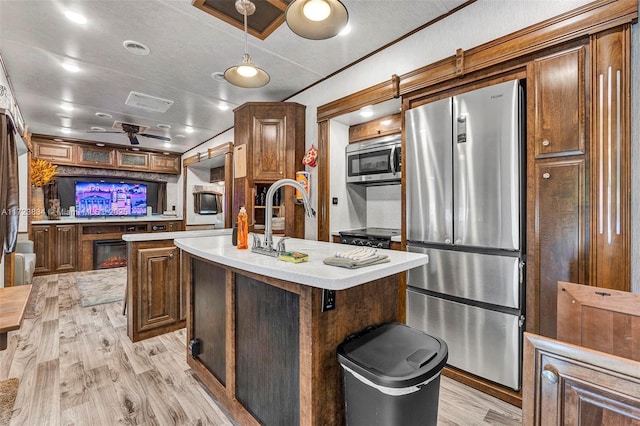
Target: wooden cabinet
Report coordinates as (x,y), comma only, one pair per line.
(55,248)
(162,163)
(56,152)
(42,247)
(89,155)
(559,97)
(273,133)
(154,296)
(383,126)
(132,160)
(96,156)
(610,253)
(559,234)
(566,384)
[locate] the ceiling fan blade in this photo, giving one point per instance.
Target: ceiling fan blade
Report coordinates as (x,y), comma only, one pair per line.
(162,138)
(102,131)
(133,139)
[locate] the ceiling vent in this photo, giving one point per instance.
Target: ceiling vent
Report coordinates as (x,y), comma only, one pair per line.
(148,102)
(118,125)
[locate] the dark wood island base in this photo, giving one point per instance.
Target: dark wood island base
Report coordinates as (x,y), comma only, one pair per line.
(264,347)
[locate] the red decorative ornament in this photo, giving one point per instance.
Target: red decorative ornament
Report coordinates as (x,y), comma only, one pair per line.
(310,157)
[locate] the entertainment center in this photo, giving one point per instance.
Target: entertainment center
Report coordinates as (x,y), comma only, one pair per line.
(69,245)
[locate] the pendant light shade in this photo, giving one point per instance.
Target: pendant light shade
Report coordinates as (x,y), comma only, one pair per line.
(317,19)
(246,74)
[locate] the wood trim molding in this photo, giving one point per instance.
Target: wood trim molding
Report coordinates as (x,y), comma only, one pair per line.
(372,95)
(324,167)
(584,21)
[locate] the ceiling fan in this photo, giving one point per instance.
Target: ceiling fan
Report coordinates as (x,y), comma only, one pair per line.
(132,131)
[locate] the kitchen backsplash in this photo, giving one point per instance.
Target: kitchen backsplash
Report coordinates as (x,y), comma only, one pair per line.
(384,206)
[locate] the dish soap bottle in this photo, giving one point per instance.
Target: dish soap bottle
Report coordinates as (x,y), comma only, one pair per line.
(243,229)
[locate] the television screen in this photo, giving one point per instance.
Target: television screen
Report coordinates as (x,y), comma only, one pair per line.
(110,199)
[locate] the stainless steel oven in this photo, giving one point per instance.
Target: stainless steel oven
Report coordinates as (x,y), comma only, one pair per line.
(376,161)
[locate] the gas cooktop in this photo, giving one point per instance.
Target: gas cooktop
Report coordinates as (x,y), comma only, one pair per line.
(371,237)
(371,232)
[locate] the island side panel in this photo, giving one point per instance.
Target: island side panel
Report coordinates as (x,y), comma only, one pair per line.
(368,304)
(267,351)
(209,317)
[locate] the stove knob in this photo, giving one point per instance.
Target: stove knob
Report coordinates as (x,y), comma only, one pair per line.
(379,245)
(354,242)
(362,243)
(344,241)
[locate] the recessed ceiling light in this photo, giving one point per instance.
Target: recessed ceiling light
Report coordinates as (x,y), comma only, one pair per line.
(222,106)
(136,48)
(58,140)
(65,130)
(70,67)
(99,144)
(189,130)
(366,112)
(135,149)
(218,76)
(180,135)
(385,122)
(103,115)
(165,153)
(163,126)
(345,31)
(66,107)
(75,17)
(97,129)
(167,144)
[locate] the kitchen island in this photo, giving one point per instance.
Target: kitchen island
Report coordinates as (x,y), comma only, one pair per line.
(259,338)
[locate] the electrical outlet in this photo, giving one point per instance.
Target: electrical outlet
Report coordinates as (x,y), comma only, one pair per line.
(328,300)
(334,201)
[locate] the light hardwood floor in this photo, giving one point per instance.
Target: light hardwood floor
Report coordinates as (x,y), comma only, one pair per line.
(78,367)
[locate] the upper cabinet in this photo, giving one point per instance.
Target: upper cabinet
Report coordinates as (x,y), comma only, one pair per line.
(272,135)
(383,126)
(559,96)
(89,155)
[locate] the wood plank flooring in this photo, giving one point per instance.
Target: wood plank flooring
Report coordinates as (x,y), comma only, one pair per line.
(78,367)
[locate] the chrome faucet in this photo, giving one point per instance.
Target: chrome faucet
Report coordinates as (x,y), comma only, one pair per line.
(267,246)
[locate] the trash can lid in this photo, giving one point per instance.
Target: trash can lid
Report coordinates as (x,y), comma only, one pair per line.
(393,355)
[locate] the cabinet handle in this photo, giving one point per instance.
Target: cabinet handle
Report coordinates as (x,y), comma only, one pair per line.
(46,229)
(546,175)
(171,256)
(550,373)
(546,143)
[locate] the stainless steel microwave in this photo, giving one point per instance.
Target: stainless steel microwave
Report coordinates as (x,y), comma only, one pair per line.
(374,162)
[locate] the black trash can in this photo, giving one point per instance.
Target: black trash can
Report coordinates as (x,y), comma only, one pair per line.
(391,376)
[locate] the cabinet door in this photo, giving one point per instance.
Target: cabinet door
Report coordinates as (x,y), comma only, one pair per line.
(65,248)
(158,281)
(560,233)
(96,156)
(164,163)
(571,385)
(560,103)
(610,166)
(269,148)
(41,236)
(56,152)
(133,160)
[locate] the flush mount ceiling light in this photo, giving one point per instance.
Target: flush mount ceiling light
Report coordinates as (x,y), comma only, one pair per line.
(246,74)
(75,17)
(317,19)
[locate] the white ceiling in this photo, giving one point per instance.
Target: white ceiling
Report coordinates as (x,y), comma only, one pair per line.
(187,45)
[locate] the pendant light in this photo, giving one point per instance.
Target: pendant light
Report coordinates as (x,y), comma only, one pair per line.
(317,19)
(246,74)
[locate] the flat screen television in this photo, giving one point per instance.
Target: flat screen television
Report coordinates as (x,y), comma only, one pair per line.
(110,199)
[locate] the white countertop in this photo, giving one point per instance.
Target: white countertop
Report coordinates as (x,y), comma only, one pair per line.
(155,236)
(312,273)
(99,220)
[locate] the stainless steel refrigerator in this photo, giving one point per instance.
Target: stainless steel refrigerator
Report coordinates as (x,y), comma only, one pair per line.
(464,186)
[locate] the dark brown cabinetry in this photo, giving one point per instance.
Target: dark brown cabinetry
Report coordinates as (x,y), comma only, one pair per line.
(570,385)
(88,155)
(610,166)
(383,126)
(154,296)
(55,248)
(273,133)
